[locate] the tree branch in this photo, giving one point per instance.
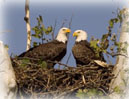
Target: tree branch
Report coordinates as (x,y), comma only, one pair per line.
(54,29)
(63,23)
(70,23)
(27,20)
(117,54)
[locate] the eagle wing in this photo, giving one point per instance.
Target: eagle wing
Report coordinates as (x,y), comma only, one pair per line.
(53,51)
(83,53)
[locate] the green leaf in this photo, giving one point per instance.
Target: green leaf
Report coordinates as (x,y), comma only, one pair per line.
(105,36)
(49,29)
(116,20)
(112,48)
(94,44)
(33,28)
(80,94)
(111,23)
(88,94)
(35,44)
(105,51)
(36,35)
(40,17)
(120,18)
(47,32)
(38,22)
(113,37)
(118,44)
(105,44)
(33,35)
(117,89)
(43,64)
(97,55)
(43,28)
(25,62)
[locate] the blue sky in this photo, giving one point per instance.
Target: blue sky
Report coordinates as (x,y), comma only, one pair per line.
(90,16)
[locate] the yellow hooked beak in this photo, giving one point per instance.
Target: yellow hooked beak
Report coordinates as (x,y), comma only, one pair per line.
(67,31)
(75,34)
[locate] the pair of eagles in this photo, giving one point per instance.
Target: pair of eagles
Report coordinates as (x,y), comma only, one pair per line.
(56,49)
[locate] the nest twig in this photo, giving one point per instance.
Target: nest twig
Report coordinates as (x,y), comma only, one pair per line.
(46,83)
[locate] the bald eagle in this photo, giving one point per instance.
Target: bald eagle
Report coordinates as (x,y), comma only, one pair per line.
(82,51)
(51,51)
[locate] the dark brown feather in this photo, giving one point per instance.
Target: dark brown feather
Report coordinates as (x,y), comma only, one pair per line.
(53,51)
(84,54)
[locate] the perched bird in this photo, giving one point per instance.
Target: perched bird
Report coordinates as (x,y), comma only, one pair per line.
(51,51)
(82,51)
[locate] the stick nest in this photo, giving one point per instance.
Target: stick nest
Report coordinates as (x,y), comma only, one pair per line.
(32,79)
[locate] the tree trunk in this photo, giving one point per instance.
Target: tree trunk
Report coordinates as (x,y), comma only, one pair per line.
(27,19)
(7,75)
(122,63)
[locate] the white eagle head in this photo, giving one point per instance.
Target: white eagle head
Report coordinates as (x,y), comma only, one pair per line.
(62,34)
(80,35)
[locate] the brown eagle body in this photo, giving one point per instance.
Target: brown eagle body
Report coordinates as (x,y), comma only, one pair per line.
(84,54)
(53,51)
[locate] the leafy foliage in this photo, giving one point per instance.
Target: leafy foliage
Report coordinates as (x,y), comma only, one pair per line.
(42,63)
(90,94)
(117,90)
(40,30)
(95,44)
(110,40)
(25,62)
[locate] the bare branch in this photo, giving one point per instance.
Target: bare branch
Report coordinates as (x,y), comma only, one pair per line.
(61,64)
(70,23)
(54,29)
(27,19)
(64,21)
(117,54)
(46,61)
(42,31)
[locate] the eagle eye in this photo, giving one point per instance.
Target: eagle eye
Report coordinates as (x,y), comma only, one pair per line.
(63,29)
(78,32)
